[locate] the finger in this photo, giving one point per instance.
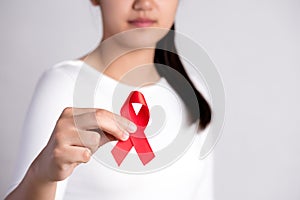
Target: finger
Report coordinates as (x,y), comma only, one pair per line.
(123,122)
(72,111)
(79,111)
(88,139)
(73,136)
(71,154)
(77,154)
(91,139)
(105,137)
(106,121)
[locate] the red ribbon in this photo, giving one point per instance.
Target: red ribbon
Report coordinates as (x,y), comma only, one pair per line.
(137,139)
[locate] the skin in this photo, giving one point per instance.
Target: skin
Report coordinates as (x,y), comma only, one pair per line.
(161,11)
(70,144)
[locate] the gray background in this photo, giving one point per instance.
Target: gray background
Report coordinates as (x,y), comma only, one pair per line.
(254,44)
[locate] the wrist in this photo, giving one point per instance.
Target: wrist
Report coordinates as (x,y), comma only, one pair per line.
(38,174)
(34,187)
(37,177)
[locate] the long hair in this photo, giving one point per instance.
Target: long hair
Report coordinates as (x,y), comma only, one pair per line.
(166,54)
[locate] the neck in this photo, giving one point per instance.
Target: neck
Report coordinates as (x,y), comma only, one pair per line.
(132,67)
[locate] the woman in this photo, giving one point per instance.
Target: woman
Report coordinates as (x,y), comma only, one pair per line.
(52,168)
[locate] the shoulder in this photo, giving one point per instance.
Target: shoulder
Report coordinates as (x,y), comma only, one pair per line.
(66,68)
(59,78)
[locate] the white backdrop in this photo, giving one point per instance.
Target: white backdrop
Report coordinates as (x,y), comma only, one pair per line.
(254,44)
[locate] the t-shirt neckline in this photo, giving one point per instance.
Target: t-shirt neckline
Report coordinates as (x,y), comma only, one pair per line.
(115,82)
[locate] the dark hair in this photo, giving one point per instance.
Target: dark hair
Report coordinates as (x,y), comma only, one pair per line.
(166,54)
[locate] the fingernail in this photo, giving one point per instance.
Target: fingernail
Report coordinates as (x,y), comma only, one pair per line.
(131,127)
(125,136)
(87,154)
(88,151)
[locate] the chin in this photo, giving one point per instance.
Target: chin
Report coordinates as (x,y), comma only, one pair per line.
(137,38)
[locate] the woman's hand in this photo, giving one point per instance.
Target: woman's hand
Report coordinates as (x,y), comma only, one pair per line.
(78,133)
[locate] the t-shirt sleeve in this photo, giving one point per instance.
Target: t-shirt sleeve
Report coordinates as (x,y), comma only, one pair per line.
(53,92)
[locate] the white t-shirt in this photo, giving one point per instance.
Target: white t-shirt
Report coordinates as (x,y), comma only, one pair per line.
(73,83)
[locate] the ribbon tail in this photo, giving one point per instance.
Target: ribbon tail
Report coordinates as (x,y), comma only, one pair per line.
(143,149)
(120,150)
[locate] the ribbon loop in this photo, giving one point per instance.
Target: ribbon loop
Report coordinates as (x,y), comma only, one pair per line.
(138,139)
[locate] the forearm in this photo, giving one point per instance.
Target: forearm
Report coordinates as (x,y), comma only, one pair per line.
(31,188)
